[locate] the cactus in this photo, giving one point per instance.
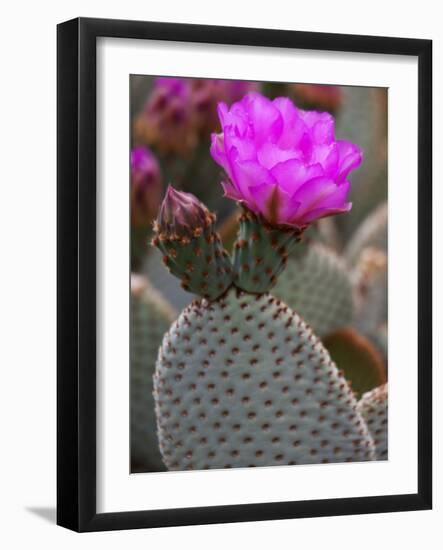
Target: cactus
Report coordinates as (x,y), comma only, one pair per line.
(373,407)
(150,317)
(240,379)
(317,285)
(372,232)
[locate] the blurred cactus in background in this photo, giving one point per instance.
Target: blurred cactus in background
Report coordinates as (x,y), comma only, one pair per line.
(317,97)
(181,111)
(168,121)
(280,353)
(150,319)
(146,194)
(372,232)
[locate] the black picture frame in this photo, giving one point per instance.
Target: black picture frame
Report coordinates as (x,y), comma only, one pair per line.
(76,265)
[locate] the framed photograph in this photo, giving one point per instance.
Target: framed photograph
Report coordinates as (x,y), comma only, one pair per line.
(244,274)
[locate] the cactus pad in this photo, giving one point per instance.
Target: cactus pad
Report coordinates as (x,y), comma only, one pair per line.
(261,252)
(317,285)
(193,252)
(243,381)
(150,319)
(373,406)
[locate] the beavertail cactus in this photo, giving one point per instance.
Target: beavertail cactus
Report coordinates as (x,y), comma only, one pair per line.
(373,406)
(241,380)
(150,318)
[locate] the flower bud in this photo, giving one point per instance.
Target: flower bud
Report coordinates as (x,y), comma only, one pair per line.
(192,250)
(182,215)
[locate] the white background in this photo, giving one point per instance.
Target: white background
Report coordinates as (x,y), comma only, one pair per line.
(27,299)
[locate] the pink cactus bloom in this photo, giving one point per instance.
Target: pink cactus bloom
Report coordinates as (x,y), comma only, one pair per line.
(283,163)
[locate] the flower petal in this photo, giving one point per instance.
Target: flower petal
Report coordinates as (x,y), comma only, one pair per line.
(293,126)
(319,213)
(265,118)
(272,202)
(270,154)
(293,173)
(248,174)
(313,192)
(350,158)
(218,153)
(231,192)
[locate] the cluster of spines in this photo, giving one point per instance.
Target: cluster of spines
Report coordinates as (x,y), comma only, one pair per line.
(261,252)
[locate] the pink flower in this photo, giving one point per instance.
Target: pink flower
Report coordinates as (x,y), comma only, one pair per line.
(282,162)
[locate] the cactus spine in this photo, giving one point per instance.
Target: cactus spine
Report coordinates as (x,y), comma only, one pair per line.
(240,379)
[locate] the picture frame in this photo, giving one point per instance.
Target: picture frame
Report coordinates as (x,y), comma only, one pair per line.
(77,253)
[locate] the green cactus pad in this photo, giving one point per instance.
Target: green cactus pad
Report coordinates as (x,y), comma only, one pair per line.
(261,252)
(362,364)
(317,285)
(372,232)
(150,318)
(373,407)
(243,381)
(200,261)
